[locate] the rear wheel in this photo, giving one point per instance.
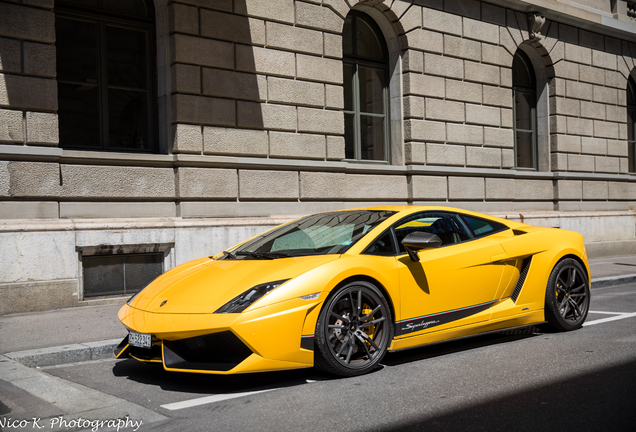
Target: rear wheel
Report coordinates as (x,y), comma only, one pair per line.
(354,330)
(567,297)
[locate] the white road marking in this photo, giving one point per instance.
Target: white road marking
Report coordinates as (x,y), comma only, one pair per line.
(609,313)
(210,399)
(613,318)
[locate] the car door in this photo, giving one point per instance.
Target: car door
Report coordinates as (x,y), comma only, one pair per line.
(453,285)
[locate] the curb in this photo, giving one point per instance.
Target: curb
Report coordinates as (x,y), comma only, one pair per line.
(65,354)
(612,281)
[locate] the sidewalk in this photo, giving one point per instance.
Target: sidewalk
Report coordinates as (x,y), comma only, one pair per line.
(91,333)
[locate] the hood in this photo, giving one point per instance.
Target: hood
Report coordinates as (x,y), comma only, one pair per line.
(204,285)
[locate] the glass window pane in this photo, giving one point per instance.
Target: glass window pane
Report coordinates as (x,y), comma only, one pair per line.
(128,119)
(631,124)
(348,86)
(76,48)
(103,275)
(631,89)
(126,58)
(78,114)
(525,158)
(367,42)
(524,110)
(347,36)
(371,86)
(349,136)
(521,71)
(382,246)
(141,270)
(372,138)
(631,156)
(127,7)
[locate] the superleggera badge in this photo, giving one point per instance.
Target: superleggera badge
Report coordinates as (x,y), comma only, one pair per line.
(422,325)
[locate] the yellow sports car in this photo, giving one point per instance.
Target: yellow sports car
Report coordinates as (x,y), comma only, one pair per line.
(337,290)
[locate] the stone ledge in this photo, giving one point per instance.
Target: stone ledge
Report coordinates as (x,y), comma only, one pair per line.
(65,354)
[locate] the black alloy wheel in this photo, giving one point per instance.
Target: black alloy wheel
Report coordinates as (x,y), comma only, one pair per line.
(567,298)
(354,330)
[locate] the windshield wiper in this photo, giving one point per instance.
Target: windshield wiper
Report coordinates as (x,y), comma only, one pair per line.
(228,254)
(263,255)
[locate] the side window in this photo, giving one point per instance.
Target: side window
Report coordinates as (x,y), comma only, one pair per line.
(382,246)
(481,227)
(447,226)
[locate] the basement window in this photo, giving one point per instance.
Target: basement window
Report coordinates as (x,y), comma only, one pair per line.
(120,275)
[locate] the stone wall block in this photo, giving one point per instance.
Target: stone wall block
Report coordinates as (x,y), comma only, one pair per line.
(424,85)
(205,52)
(604,60)
(375,187)
(495,54)
(413,107)
(615,113)
(559,162)
(334,96)
(230,141)
(235,28)
(203,110)
(10,56)
(89,181)
(565,143)
(21,22)
(498,96)
(482,73)
(592,75)
(580,163)
(28,92)
(566,69)
(499,137)
(11,126)
(605,129)
(617,148)
(578,90)
(493,14)
(484,115)
(298,92)
(318,17)
(39,59)
(578,54)
(565,106)
(463,48)
(463,91)
(292,38)
(444,154)
(569,189)
(429,187)
(424,40)
(481,31)
(297,146)
(505,77)
(468,188)
(333,45)
(507,41)
(443,66)
(257,184)
(595,190)
(622,191)
(207,183)
(506,118)
(276,10)
(558,124)
(183,19)
(33,179)
(411,19)
(185,78)
(266,61)
(320,121)
(223,5)
(605,95)
(483,157)
(414,153)
(624,165)
(254,115)
(335,147)
(500,189)
(437,109)
(42,128)
(441,21)
(592,110)
(593,146)
(187,139)
(464,134)
(341,7)
(423,130)
(412,61)
(235,85)
(532,190)
(319,69)
(615,79)
(578,126)
(592,40)
(320,185)
(606,164)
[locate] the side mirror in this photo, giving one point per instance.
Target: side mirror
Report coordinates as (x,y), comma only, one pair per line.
(417,241)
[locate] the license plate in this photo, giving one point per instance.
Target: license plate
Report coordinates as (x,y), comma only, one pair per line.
(139,340)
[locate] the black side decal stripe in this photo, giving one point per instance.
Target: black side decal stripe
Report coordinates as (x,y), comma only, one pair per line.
(525,267)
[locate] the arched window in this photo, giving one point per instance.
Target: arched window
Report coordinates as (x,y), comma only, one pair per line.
(524,85)
(366,76)
(631,124)
(106,74)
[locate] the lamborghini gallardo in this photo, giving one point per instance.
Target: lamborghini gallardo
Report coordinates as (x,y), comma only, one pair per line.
(337,290)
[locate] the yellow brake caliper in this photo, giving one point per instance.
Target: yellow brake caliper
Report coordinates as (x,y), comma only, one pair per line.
(366,310)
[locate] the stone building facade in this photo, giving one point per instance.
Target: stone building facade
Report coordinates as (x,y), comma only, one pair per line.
(137,135)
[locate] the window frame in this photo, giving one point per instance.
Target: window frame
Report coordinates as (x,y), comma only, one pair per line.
(357,61)
(532,91)
(103,19)
(631,128)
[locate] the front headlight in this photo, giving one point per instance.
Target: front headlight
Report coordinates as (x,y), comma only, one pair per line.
(241,302)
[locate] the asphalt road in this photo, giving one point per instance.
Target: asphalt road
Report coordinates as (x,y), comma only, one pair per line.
(583,380)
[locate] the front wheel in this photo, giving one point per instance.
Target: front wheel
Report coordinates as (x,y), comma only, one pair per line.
(354,330)
(567,297)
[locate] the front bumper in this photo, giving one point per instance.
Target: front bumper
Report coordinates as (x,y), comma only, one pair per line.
(264,339)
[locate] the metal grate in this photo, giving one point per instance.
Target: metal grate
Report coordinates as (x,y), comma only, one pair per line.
(106,275)
(223,347)
(525,266)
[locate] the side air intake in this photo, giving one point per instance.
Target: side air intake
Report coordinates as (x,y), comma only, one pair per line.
(525,266)
(518,232)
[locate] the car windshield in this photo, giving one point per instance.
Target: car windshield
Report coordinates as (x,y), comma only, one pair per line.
(321,234)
